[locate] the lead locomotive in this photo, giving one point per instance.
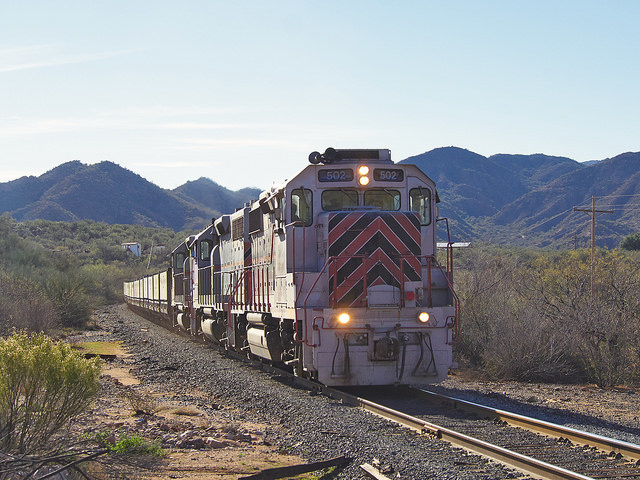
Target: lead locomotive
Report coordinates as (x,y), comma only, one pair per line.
(333,272)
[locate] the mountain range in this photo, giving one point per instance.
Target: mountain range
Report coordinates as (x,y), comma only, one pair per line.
(110,193)
(525,200)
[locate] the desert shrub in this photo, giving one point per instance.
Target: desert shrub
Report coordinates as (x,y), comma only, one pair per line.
(127,444)
(104,282)
(42,386)
(134,444)
(603,323)
(141,404)
(24,306)
(535,317)
(503,333)
(68,294)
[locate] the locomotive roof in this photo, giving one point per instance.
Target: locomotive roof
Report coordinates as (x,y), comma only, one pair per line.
(332,155)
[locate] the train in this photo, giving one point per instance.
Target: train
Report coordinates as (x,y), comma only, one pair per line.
(333,274)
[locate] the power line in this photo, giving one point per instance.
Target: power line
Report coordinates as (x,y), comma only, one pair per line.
(552,218)
(592,213)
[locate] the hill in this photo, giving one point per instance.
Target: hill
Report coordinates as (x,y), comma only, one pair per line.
(528,200)
(523,200)
(205,191)
(109,193)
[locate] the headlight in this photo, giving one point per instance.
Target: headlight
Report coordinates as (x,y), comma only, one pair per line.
(424,317)
(344,318)
(363,171)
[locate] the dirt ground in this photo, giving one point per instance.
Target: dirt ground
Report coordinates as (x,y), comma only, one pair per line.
(197,445)
(205,443)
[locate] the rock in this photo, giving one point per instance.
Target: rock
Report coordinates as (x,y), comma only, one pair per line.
(213,443)
(197,443)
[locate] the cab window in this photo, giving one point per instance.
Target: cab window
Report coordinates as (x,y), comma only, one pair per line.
(205,250)
(339,199)
(179,258)
(302,206)
(384,199)
(420,201)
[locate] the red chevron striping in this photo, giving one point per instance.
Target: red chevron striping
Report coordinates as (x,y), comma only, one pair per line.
(358,241)
(378,225)
(348,283)
(345,224)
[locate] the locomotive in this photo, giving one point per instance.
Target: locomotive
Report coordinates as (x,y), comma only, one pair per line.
(333,273)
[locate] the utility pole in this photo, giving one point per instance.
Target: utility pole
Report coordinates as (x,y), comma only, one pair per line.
(592,212)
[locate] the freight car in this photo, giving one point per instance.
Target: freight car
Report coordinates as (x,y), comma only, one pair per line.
(333,273)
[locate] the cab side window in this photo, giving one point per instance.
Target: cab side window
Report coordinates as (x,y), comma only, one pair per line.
(179,259)
(205,250)
(420,201)
(302,206)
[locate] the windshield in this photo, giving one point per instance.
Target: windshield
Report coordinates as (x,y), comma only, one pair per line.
(339,199)
(384,199)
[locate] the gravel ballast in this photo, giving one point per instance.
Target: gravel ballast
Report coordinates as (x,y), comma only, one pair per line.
(318,428)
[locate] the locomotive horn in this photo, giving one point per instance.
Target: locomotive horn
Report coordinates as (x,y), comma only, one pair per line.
(330,155)
(314,157)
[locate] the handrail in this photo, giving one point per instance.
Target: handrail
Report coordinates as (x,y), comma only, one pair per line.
(232,294)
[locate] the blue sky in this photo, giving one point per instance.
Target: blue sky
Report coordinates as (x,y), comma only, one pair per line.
(242,91)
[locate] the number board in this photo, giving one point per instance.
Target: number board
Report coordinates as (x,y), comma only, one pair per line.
(388,175)
(335,175)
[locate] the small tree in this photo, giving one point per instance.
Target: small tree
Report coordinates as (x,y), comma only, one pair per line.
(631,242)
(42,386)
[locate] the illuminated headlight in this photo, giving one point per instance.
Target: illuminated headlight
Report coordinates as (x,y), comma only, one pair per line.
(424,317)
(344,318)
(363,171)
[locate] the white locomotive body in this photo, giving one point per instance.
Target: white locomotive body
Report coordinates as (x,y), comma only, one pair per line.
(333,273)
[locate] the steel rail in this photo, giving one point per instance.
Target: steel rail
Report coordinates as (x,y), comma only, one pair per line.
(521,462)
(516,460)
(513,459)
(626,449)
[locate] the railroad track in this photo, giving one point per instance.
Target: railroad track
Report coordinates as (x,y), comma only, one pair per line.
(490,432)
(612,446)
(469,428)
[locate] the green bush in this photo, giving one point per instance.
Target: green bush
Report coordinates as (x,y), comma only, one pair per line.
(43,385)
(631,242)
(134,444)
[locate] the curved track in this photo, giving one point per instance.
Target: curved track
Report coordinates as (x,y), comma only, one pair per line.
(465,424)
(613,446)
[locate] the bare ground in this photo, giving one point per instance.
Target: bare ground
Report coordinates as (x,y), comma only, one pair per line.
(206,443)
(197,444)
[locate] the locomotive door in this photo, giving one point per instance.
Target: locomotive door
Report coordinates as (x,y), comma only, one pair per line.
(421,201)
(187,286)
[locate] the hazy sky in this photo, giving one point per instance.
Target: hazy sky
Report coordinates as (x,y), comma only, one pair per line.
(242,91)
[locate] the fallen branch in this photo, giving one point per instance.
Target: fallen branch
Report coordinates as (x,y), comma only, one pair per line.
(74,463)
(280,472)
